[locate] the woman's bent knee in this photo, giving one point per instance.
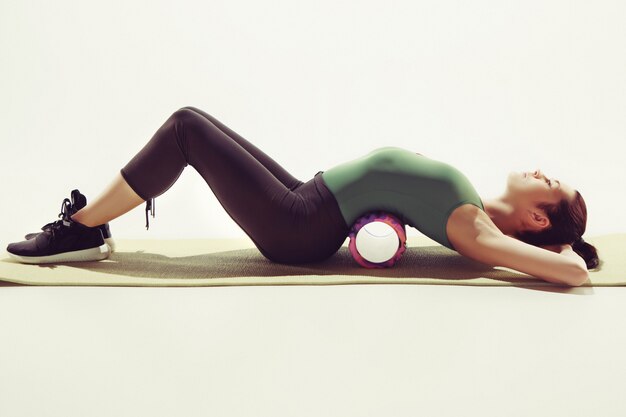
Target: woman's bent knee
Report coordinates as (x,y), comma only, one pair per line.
(184,113)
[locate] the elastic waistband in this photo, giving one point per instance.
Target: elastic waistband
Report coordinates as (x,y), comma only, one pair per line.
(330,201)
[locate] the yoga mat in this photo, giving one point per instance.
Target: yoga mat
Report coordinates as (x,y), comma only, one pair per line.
(207,262)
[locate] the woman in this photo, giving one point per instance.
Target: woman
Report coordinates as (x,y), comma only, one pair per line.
(290,221)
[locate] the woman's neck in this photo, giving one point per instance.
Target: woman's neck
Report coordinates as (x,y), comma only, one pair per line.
(502,214)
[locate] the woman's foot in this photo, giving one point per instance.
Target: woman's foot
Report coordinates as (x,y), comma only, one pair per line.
(78,202)
(64,240)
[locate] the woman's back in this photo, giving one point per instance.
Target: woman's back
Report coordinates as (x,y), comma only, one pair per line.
(422,192)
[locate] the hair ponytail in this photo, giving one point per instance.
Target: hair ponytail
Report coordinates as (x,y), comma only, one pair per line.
(588,252)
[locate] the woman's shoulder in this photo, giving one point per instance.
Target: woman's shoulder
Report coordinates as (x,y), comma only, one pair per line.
(466,223)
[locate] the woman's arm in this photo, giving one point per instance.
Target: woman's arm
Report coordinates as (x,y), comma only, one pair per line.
(497,249)
(566,250)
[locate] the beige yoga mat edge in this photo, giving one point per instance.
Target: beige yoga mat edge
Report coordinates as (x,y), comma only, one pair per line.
(221,256)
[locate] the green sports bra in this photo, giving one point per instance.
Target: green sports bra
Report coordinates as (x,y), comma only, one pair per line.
(422,192)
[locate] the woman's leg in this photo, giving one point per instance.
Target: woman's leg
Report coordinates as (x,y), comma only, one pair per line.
(119,198)
(263,206)
(278,171)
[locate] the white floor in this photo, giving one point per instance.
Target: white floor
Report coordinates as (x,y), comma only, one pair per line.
(347,350)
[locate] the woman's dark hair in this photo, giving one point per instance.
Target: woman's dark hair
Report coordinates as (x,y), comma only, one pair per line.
(568,223)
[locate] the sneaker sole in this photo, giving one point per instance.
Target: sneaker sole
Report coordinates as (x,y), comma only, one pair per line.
(91,254)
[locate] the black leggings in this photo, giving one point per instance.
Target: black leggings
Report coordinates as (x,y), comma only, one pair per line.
(288,220)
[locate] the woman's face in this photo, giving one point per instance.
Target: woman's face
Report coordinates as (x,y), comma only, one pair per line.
(530,188)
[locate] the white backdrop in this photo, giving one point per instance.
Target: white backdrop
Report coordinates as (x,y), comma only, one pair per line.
(487,86)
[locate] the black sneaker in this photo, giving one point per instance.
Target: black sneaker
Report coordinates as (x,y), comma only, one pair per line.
(78,202)
(64,240)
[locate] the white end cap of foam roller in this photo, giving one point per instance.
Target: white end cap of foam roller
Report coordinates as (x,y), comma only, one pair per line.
(377,242)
